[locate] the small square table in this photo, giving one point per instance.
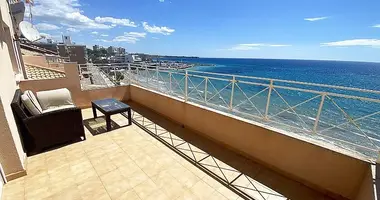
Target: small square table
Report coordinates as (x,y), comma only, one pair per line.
(110,107)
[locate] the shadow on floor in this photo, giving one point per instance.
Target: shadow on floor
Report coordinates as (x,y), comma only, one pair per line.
(98,126)
(262,181)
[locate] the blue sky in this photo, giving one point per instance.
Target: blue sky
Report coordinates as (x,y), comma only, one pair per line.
(292,29)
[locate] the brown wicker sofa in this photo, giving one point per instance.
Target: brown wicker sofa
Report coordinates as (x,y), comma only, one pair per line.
(46,130)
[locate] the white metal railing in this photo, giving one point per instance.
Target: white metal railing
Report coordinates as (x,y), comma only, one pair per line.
(342,116)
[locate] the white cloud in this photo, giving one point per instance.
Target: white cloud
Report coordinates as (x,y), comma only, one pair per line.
(135,34)
(254,46)
(72,30)
(376,26)
(46,35)
(315,19)
(156,29)
(130,37)
(102,40)
(161,1)
(126,39)
(115,21)
(104,35)
(354,42)
(94,32)
(46,27)
(156,38)
(64,12)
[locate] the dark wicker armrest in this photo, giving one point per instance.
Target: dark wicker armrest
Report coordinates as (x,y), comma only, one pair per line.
(56,126)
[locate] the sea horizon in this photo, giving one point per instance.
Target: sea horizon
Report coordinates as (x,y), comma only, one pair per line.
(305,59)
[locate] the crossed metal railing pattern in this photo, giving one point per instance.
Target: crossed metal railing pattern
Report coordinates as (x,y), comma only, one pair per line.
(328,117)
(238,182)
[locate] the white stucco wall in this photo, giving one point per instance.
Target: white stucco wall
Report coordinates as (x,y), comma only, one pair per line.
(11,152)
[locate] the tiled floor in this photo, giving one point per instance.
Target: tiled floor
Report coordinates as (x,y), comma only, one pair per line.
(126,163)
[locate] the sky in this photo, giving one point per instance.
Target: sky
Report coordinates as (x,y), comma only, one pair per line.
(291,29)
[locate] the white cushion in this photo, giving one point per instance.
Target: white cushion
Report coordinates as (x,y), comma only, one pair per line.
(54,98)
(57,108)
(31,103)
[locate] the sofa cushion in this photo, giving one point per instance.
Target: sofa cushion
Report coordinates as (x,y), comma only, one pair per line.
(54,98)
(31,103)
(51,109)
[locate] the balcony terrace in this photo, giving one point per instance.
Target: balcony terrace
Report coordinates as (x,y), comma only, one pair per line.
(129,163)
(178,149)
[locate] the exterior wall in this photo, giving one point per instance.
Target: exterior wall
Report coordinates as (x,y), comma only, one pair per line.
(77,53)
(71,81)
(366,191)
(11,152)
(317,167)
(35,60)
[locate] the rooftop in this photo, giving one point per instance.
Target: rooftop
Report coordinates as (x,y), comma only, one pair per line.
(37,73)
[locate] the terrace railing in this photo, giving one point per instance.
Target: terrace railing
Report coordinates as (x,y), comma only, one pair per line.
(332,116)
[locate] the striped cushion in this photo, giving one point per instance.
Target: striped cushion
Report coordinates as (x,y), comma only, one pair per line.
(31,103)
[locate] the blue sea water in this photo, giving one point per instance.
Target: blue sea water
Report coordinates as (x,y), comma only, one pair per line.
(343,121)
(363,75)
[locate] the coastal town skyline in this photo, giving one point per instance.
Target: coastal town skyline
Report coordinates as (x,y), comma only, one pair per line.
(321,30)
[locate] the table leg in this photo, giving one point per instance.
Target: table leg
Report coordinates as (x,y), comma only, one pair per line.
(94,111)
(108,122)
(129,117)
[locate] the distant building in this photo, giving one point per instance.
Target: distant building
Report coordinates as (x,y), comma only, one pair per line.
(112,50)
(95,47)
(66,40)
(120,51)
(130,58)
(76,53)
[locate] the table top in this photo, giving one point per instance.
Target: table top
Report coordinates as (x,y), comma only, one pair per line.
(110,105)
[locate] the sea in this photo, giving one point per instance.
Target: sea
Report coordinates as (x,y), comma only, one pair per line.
(345,121)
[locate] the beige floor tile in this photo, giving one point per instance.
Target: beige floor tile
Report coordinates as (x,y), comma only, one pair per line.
(71,193)
(129,169)
(228,193)
(154,168)
(14,196)
(216,196)
(117,189)
(184,176)
(81,166)
(169,185)
(115,183)
(36,167)
(14,190)
(202,190)
(120,159)
(137,177)
(129,195)
(212,182)
(157,195)
(40,193)
(35,182)
(104,166)
(145,189)
(93,188)
(63,184)
(188,195)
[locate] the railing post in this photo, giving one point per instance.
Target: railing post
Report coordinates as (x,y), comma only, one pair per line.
(146,74)
(186,76)
(268,100)
(157,82)
(129,74)
(206,80)
(170,83)
(232,92)
(319,113)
